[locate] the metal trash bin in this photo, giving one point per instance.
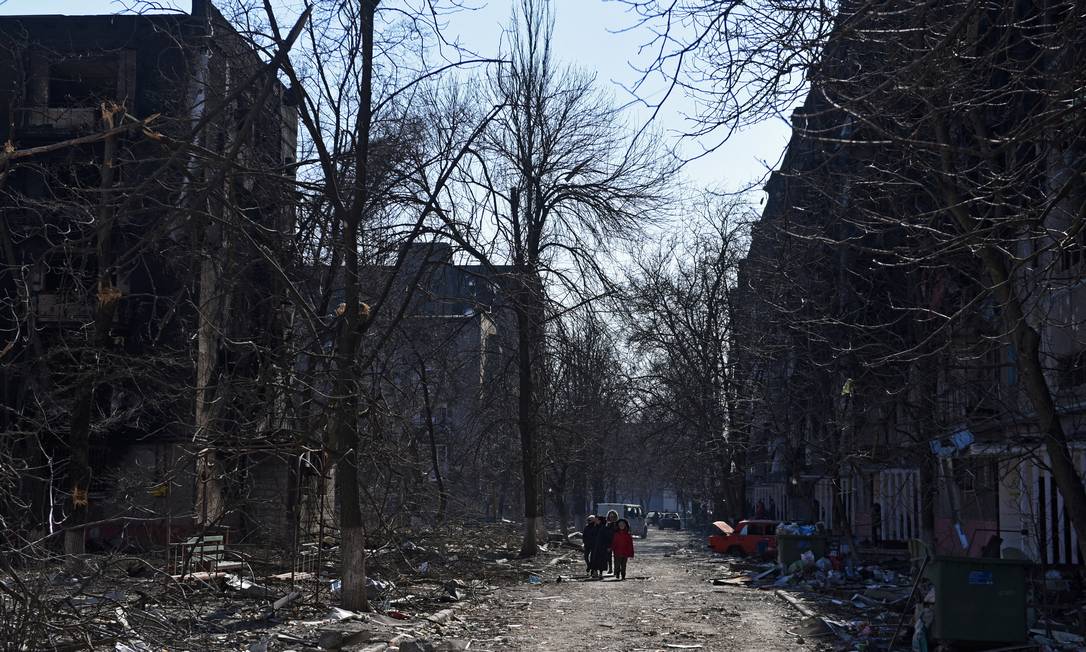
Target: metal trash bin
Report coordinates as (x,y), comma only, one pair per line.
(790,547)
(979,600)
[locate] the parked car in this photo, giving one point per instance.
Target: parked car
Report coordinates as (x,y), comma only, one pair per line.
(634,515)
(670,521)
(653,518)
(757,537)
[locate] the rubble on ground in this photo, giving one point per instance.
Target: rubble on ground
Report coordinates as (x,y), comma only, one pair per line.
(879,602)
(415,585)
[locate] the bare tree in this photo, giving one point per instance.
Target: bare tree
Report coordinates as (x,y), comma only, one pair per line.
(378,192)
(573,177)
(587,406)
(678,312)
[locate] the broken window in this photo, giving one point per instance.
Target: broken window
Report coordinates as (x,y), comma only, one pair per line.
(83,81)
(77,80)
(1072,370)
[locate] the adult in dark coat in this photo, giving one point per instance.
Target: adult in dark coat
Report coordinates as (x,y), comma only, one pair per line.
(588,539)
(601,551)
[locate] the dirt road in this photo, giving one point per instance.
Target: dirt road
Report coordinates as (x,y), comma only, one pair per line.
(668,603)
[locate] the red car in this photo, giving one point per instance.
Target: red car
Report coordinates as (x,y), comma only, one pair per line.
(753,537)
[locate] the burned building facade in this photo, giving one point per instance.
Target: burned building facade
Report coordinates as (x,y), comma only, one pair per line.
(147,168)
(898,279)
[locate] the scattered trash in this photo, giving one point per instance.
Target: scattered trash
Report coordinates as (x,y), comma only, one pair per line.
(920,637)
(286,600)
(377,588)
(535,579)
(452,591)
(246,588)
(1057,639)
(424,568)
(772,570)
(398,615)
(341,614)
(260,646)
(796,529)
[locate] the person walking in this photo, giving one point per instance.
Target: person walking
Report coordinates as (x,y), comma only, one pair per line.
(588,539)
(601,549)
(612,526)
(623,547)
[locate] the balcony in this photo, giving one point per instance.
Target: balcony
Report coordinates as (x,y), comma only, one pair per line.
(63,308)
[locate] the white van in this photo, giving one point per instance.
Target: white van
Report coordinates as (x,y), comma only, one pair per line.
(634,515)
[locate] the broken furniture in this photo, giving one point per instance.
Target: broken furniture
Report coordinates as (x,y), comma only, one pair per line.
(203,552)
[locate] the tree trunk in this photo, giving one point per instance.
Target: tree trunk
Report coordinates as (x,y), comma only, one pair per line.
(345,441)
(1027,342)
(442,494)
(209,494)
(527,425)
(79,471)
(529,315)
(354,568)
(580,498)
(560,503)
(1067,477)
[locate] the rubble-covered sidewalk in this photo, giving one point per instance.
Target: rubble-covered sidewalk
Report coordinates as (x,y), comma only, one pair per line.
(883,600)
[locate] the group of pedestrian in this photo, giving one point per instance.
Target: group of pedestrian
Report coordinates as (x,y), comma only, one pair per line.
(608,545)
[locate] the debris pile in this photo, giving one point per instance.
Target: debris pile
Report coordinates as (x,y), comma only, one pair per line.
(888,603)
(135,603)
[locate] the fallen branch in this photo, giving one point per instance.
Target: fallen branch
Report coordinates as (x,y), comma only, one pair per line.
(9,153)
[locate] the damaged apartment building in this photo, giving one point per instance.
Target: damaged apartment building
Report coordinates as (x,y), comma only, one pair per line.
(145,169)
(879,389)
(433,396)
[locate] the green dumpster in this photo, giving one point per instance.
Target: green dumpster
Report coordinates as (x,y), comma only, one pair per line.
(791,546)
(979,600)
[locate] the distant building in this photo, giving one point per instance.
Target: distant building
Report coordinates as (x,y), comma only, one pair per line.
(440,384)
(450,372)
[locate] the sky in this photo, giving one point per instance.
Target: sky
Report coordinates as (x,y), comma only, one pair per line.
(590,34)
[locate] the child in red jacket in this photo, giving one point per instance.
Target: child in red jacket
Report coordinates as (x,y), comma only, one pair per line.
(622,546)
